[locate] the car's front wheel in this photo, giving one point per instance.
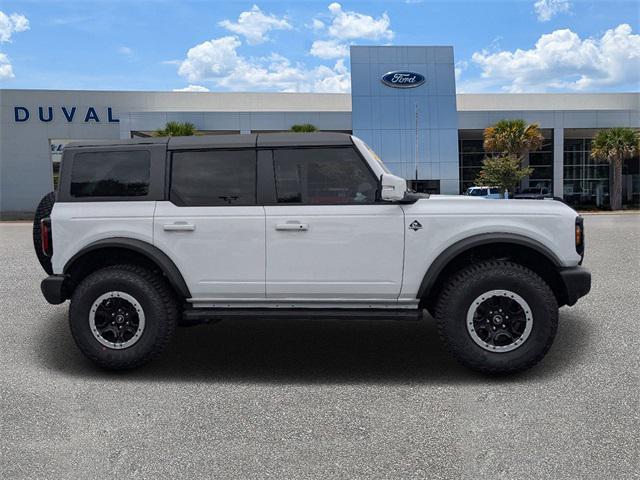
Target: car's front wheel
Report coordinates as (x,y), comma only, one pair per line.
(497,317)
(122,316)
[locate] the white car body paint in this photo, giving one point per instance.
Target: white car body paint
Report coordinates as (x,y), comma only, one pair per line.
(223,257)
(76,225)
(447,219)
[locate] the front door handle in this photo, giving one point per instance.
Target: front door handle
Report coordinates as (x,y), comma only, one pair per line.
(179,227)
(301,227)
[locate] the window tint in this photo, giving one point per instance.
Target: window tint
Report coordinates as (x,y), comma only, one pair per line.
(323,176)
(110,174)
(494,191)
(215,177)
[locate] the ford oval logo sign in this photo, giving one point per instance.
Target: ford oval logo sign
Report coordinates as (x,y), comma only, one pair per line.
(403,79)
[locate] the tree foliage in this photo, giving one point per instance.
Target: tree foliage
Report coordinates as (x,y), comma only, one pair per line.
(304,127)
(176,129)
(513,137)
(504,172)
(614,146)
(509,141)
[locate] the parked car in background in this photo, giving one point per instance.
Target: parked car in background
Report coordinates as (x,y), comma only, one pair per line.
(484,192)
(534,193)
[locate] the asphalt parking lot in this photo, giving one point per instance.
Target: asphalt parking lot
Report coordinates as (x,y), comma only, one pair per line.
(295,399)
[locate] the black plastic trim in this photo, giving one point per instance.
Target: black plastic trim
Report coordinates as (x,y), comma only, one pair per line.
(154,254)
(266,178)
(456,249)
(53,289)
(577,283)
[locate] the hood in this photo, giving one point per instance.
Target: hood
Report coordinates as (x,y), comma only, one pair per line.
(464,204)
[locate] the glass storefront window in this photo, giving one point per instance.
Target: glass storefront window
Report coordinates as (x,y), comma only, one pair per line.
(586,181)
(472,154)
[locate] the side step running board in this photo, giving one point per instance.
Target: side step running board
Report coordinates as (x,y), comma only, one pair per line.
(193,316)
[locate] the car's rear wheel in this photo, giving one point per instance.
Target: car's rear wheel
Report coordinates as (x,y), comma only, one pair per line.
(122,316)
(43,211)
(497,317)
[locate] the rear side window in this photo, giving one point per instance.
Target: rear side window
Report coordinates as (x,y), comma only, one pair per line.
(494,191)
(323,176)
(214,177)
(111,174)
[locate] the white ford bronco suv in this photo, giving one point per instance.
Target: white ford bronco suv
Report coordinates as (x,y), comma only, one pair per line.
(144,235)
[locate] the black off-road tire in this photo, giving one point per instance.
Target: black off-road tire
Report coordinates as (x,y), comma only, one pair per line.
(158,304)
(43,211)
(464,287)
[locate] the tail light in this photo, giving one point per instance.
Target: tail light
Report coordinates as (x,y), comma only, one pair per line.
(45,236)
(580,236)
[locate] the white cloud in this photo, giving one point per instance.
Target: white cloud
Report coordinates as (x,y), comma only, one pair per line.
(460,67)
(346,25)
(211,59)
(10,24)
(561,60)
(317,25)
(329,49)
(192,88)
(254,25)
(125,51)
(336,79)
(217,61)
(6,70)
(547,9)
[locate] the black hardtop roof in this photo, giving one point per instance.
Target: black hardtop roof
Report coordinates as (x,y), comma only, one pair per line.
(121,142)
(260,140)
(245,140)
(291,139)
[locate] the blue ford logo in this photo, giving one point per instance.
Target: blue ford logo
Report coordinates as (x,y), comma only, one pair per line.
(403,79)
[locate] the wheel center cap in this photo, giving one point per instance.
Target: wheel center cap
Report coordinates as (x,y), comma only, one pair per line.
(120,318)
(497,319)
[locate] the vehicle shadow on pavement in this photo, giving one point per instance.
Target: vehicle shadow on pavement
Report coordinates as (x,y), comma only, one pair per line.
(309,351)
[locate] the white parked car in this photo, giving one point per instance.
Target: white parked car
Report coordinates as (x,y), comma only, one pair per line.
(144,235)
(483,192)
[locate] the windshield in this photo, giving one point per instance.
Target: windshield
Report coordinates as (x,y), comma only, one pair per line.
(477,192)
(366,148)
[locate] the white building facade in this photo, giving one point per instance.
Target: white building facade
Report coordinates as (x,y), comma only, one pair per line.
(403,103)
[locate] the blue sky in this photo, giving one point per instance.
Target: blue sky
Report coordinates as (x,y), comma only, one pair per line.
(500,46)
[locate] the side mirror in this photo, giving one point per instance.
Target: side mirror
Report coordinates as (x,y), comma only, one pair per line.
(392,188)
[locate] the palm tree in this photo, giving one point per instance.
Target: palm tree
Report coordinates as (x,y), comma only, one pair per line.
(513,138)
(509,141)
(614,146)
(176,129)
(303,127)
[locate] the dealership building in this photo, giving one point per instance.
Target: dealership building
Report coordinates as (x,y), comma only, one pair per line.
(403,103)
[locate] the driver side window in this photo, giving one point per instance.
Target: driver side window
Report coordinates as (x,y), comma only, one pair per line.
(323,176)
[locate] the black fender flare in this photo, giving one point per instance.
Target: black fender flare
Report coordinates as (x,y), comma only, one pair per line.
(451,252)
(154,254)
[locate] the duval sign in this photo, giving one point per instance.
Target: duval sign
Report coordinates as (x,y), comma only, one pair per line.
(69,114)
(402,79)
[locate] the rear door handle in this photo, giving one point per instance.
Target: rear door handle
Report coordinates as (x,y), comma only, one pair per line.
(293,226)
(179,227)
